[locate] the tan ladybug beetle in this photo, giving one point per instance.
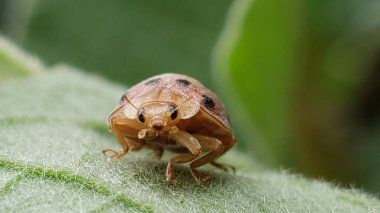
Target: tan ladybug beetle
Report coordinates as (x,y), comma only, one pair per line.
(175,112)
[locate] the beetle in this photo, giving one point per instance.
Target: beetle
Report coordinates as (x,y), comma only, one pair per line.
(174,112)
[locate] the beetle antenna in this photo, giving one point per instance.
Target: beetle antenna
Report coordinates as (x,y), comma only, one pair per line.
(127,100)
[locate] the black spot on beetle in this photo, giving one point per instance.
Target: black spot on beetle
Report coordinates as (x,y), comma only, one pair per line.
(153,81)
(121,100)
(208,102)
(123,97)
(183,82)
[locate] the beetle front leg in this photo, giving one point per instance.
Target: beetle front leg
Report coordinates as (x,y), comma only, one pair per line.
(119,138)
(191,143)
(133,145)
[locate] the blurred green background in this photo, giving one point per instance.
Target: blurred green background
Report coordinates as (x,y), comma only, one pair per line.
(301,79)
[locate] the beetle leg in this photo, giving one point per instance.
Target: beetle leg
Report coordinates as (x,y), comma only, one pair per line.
(215,146)
(191,143)
(119,138)
(228,143)
(132,145)
(225,167)
(135,145)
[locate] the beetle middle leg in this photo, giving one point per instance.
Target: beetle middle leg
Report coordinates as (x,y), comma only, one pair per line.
(191,143)
(228,143)
(224,167)
(215,146)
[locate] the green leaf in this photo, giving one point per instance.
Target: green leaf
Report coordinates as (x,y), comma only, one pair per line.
(52,131)
(255,55)
(303,84)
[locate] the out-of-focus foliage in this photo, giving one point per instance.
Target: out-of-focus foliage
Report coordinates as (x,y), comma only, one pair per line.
(261,68)
(338,103)
(301,77)
(126,40)
(308,75)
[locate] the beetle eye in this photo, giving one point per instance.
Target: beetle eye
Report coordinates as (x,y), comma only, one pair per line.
(174,114)
(140,116)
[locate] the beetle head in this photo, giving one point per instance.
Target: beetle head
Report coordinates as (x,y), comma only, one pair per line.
(158,115)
